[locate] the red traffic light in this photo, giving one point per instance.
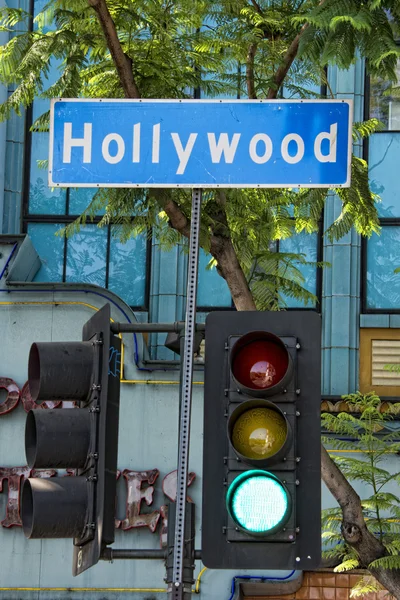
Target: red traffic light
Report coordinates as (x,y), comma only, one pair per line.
(261,364)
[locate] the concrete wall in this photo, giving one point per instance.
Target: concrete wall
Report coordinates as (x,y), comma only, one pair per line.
(148,440)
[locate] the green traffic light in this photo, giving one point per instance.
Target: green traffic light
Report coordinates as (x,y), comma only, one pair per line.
(258,502)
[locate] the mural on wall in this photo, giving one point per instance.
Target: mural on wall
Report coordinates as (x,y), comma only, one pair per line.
(139,485)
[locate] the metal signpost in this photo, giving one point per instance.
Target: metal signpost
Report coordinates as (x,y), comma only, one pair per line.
(197,144)
(179,591)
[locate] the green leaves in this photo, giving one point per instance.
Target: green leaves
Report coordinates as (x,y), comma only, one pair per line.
(177,46)
(363,460)
(364,129)
(10,17)
(341,28)
(358,204)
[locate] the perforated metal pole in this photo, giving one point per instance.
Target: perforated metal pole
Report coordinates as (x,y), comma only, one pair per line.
(180,588)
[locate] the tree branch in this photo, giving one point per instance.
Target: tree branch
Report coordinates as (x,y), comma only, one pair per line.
(221,247)
(288,59)
(122,61)
(228,265)
(176,217)
(287,62)
(354,529)
(257,7)
(230,269)
(251,91)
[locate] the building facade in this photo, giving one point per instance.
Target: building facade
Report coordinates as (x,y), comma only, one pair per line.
(50,285)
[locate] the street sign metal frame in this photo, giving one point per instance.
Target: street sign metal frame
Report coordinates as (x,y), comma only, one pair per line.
(198,184)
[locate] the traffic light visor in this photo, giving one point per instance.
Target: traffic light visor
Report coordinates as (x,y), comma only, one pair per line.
(260,364)
(258,502)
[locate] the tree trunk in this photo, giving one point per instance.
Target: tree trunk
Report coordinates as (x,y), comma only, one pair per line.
(122,61)
(354,529)
(251,90)
(229,268)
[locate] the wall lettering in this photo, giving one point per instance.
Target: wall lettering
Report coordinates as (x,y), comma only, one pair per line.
(139,487)
(139,484)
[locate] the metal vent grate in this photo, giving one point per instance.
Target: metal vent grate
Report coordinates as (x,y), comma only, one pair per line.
(385,352)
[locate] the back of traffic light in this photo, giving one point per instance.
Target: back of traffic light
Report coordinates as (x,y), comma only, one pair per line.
(84,439)
(261,460)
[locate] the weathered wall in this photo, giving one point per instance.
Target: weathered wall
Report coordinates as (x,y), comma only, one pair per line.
(148,440)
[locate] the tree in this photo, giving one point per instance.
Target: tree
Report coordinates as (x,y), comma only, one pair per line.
(367,430)
(253,48)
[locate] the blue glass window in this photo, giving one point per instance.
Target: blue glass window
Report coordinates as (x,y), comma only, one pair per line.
(385,106)
(79,200)
(383,161)
(127,276)
(382,286)
(212,289)
(42,199)
(86,256)
(383,256)
(307,244)
(50,249)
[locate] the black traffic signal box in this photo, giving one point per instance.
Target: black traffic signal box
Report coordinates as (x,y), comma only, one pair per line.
(261,459)
(84,439)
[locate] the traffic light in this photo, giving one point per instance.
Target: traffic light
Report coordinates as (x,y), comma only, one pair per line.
(84,439)
(261,458)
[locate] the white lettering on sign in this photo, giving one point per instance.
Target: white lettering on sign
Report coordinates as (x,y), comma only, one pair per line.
(105,148)
(70,142)
(223,146)
(292,137)
(183,153)
(136,143)
(155,152)
(332,137)
(266,140)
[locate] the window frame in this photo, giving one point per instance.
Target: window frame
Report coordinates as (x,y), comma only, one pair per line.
(367,102)
(384,221)
(65,219)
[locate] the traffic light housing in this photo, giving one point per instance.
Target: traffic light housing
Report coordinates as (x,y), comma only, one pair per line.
(84,439)
(261,458)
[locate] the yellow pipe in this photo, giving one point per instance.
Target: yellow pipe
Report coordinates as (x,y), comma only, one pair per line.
(102,590)
(156,382)
(69,589)
(147,381)
(95,308)
(53,302)
(197,586)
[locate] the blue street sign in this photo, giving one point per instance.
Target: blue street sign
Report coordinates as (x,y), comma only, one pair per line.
(200,143)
